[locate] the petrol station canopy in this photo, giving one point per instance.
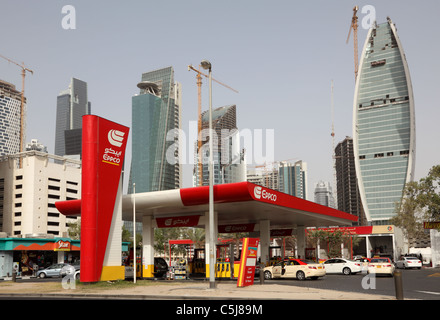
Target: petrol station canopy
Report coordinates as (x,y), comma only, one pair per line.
(234,203)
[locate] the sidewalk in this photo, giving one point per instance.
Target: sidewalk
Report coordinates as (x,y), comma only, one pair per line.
(182,291)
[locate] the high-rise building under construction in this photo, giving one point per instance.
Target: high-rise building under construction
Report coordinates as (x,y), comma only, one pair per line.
(10,110)
(383,124)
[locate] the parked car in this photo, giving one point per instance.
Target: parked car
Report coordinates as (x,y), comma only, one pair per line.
(409,262)
(363,262)
(341,265)
(381,266)
(51,271)
(70,268)
(295,268)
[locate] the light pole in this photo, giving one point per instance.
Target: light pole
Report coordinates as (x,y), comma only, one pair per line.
(134,233)
(207,66)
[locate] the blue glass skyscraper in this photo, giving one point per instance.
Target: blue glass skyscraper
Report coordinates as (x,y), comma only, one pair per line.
(155,124)
(383,124)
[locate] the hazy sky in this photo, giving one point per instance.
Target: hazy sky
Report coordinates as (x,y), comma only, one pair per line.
(281,55)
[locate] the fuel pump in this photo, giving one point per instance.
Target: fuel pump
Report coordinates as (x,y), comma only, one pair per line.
(225,261)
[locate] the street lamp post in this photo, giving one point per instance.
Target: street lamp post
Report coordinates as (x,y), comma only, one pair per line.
(134,233)
(207,66)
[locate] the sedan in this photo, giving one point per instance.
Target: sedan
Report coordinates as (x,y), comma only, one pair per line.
(341,265)
(381,266)
(296,269)
(409,262)
(51,271)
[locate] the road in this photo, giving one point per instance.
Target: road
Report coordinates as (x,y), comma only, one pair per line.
(417,284)
(421,284)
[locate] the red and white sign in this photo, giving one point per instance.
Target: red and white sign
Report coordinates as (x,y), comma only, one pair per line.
(172,222)
(103,151)
(234,228)
(281,232)
(248,262)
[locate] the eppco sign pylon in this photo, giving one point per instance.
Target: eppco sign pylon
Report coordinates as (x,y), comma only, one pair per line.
(103,151)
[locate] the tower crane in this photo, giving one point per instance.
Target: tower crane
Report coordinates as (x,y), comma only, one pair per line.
(23,76)
(199,113)
(354,27)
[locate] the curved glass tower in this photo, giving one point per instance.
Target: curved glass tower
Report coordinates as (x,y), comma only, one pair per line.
(383,123)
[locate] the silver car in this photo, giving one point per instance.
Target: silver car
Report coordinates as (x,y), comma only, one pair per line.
(51,271)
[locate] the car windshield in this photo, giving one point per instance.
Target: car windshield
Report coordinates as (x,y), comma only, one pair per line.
(377,260)
(411,258)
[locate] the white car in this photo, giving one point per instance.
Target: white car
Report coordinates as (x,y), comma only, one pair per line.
(341,265)
(295,268)
(381,266)
(409,262)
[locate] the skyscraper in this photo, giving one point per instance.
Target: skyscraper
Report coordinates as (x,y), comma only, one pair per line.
(349,199)
(383,123)
(10,110)
(229,158)
(293,178)
(155,161)
(72,104)
(324,194)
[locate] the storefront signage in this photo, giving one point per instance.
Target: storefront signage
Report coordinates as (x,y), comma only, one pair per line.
(281,232)
(62,245)
(234,228)
(248,262)
(431,225)
(172,222)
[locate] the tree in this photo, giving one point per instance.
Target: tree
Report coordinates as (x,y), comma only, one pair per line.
(420,202)
(429,196)
(74,230)
(409,215)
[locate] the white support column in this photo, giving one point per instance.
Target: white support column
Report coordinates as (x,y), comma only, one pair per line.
(207,240)
(60,257)
(301,242)
(368,247)
(112,268)
(148,247)
(264,241)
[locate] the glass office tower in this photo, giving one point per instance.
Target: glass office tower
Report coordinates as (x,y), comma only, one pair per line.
(72,104)
(293,178)
(155,161)
(383,124)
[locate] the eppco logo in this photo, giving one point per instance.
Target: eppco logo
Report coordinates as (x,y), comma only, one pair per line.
(261,193)
(257,192)
(116,137)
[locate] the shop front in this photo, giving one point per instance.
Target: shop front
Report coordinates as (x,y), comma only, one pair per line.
(27,255)
(371,241)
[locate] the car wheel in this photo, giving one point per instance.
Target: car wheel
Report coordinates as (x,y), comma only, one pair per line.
(42,275)
(346,271)
(300,275)
(267,275)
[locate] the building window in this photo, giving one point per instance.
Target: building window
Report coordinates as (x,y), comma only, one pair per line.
(390,154)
